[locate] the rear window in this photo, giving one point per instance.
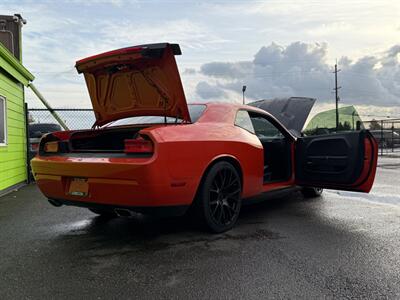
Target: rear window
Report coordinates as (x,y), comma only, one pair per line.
(243,121)
(195,112)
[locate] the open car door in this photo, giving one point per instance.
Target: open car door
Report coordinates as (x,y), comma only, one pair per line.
(341,161)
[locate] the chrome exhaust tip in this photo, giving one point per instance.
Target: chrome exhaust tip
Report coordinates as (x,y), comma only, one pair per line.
(54,202)
(123,212)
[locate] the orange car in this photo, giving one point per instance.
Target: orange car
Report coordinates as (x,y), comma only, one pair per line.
(150,152)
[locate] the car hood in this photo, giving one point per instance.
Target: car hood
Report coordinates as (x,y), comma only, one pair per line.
(135,81)
(291,112)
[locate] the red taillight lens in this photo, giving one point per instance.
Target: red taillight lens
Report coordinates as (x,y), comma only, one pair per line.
(138,145)
(35,147)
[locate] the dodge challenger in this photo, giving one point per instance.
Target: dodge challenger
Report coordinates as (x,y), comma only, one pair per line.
(151,152)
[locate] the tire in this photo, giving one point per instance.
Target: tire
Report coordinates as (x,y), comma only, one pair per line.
(218,202)
(103,213)
(311,192)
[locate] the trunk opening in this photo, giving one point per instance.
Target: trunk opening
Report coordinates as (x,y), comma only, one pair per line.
(103,140)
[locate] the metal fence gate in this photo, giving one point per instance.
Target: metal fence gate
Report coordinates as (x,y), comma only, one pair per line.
(387,134)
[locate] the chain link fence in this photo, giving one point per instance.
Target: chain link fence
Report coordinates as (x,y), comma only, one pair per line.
(386,132)
(74,118)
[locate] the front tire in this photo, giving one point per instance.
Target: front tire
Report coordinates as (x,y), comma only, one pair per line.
(218,202)
(312,192)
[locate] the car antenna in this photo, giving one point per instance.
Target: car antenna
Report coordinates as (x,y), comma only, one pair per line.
(243,90)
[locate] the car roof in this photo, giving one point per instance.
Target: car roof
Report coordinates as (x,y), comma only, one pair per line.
(231,105)
(225,112)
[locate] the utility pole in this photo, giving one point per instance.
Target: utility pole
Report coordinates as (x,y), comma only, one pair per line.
(243,90)
(336,96)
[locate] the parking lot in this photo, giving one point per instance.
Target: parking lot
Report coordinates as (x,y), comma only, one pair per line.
(343,245)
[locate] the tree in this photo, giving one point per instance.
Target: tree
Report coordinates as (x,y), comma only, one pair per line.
(344,126)
(374,125)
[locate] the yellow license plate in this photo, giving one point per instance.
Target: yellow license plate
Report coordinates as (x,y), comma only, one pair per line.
(78,187)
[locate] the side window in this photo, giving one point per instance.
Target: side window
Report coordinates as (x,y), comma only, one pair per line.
(265,129)
(3,118)
(243,120)
(325,122)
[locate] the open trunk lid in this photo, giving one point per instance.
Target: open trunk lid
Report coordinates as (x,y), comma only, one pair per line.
(135,81)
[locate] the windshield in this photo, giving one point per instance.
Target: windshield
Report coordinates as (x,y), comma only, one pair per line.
(195,112)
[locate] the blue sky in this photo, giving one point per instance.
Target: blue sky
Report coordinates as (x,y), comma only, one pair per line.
(276,48)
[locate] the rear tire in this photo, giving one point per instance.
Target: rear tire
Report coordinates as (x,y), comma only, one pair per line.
(103,212)
(218,201)
(312,192)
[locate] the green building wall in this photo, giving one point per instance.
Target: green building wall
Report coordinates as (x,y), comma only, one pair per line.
(13,156)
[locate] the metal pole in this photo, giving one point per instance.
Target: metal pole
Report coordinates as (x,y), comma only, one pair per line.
(45,103)
(28,146)
(392,136)
(243,90)
(336,99)
(381,138)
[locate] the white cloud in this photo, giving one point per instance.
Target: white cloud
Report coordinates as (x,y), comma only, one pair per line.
(360,27)
(60,32)
(207,91)
(117,3)
(189,71)
(188,34)
(51,54)
(300,69)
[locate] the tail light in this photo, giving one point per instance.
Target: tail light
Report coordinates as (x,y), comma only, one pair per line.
(51,147)
(139,145)
(56,142)
(34,147)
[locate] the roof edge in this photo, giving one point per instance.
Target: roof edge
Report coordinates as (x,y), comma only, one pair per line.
(24,75)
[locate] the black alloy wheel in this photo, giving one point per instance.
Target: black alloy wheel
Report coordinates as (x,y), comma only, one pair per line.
(219,199)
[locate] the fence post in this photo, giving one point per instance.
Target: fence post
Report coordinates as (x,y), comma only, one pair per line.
(28,145)
(392,136)
(381,138)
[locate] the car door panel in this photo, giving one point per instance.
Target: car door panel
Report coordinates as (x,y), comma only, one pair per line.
(344,161)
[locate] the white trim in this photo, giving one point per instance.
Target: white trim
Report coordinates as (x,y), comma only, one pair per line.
(5,120)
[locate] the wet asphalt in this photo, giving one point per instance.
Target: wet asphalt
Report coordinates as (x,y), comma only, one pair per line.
(342,245)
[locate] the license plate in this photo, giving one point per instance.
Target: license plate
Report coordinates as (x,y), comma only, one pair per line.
(78,187)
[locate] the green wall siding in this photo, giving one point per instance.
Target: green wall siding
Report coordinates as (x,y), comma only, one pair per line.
(13,155)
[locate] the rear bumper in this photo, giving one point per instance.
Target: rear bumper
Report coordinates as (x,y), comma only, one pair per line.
(122,182)
(161,211)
